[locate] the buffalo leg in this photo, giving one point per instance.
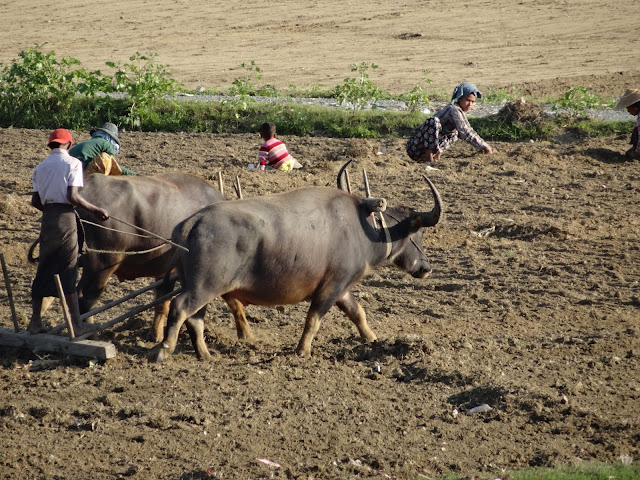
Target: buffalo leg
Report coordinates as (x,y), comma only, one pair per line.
(195,327)
(182,307)
(161,311)
(319,307)
(92,284)
(242,326)
(354,311)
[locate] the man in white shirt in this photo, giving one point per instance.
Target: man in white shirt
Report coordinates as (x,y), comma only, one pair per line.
(56,191)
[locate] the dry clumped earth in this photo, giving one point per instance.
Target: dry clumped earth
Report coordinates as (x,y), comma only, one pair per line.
(533,308)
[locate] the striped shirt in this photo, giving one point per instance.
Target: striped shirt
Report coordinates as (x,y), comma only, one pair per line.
(273,153)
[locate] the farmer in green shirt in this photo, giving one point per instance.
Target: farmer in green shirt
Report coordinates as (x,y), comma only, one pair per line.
(98,153)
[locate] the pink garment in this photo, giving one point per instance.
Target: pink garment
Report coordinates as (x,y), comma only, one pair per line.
(273,153)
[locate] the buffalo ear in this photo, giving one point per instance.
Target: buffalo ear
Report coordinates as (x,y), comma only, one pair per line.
(374,204)
(421,219)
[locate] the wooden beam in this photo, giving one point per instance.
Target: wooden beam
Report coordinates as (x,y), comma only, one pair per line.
(367,192)
(238,188)
(120,300)
(130,313)
(55,343)
(65,307)
(7,283)
(220,184)
(346,177)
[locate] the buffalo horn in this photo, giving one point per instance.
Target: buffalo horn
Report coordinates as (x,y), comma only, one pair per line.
(431,218)
(367,190)
(341,183)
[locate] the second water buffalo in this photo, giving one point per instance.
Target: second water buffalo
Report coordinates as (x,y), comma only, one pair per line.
(310,244)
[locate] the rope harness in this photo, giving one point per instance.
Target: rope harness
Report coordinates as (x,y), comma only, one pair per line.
(136,252)
(388,237)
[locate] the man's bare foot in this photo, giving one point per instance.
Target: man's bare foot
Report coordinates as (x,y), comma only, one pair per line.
(36,327)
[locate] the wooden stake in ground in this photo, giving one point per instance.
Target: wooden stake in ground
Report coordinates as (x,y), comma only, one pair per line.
(65,308)
(367,192)
(14,317)
(238,188)
(220,184)
(346,177)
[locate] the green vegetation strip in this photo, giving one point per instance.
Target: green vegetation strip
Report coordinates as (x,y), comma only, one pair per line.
(40,91)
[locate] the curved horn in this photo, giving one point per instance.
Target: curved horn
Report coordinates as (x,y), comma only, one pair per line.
(341,182)
(431,218)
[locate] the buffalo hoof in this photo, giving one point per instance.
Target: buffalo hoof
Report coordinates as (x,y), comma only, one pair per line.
(152,336)
(303,353)
(204,356)
(159,354)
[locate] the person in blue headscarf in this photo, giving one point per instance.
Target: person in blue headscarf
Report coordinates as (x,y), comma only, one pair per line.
(428,140)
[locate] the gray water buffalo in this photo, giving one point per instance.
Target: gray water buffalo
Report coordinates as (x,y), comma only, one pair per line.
(156,203)
(310,244)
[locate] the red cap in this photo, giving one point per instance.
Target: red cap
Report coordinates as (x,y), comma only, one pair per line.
(60,135)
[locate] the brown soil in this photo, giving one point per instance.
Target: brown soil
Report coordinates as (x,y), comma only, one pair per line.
(540,48)
(538,317)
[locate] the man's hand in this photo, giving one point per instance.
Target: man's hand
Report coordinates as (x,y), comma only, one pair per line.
(101,214)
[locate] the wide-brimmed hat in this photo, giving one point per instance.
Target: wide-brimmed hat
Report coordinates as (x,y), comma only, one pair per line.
(61,136)
(629,97)
(108,128)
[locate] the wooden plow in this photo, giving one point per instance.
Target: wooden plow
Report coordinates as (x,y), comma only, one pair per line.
(72,344)
(81,345)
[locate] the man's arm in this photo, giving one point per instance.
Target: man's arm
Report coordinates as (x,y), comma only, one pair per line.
(36,202)
(77,200)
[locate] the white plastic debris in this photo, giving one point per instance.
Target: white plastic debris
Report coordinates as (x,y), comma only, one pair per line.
(266,461)
(479,409)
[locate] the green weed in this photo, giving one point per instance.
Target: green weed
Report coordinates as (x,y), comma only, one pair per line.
(247,85)
(576,101)
(144,81)
(417,97)
(360,91)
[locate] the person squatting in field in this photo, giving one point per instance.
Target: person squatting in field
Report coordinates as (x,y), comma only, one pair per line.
(57,181)
(98,153)
(630,100)
(273,154)
(438,132)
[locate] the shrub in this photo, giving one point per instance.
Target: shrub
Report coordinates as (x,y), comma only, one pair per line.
(358,91)
(38,88)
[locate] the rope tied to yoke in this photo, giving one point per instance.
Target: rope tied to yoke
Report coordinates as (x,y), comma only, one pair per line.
(137,252)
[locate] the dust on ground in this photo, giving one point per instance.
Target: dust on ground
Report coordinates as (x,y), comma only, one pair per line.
(532,309)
